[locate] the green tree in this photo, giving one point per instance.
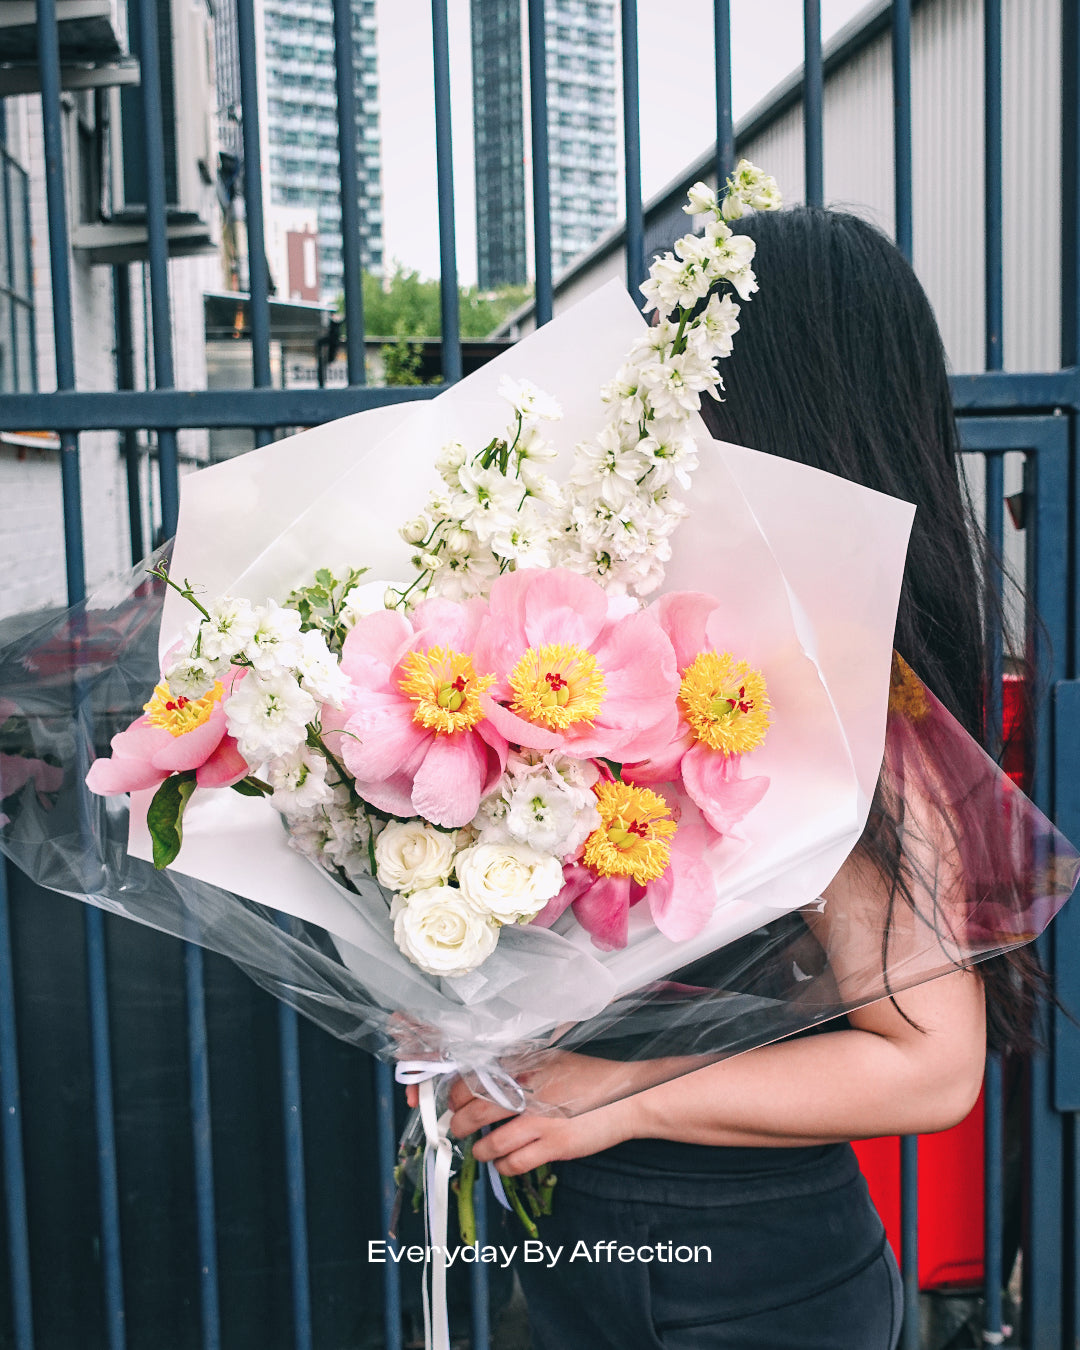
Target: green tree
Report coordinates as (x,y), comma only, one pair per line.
(409,306)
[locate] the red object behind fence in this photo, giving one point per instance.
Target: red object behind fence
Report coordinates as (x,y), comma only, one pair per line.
(950,1199)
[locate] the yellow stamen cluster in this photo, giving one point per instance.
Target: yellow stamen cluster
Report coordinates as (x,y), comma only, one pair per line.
(557,685)
(725,703)
(632,839)
(179,715)
(445,688)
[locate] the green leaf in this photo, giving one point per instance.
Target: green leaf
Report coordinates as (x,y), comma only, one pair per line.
(252,787)
(325,578)
(165,816)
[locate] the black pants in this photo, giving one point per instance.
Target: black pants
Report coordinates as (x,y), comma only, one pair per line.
(790,1256)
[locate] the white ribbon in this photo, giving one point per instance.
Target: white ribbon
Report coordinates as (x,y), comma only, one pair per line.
(438,1160)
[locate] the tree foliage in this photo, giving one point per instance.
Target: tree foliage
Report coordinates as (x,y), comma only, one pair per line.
(409,306)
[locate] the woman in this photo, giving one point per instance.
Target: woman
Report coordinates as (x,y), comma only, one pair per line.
(839,364)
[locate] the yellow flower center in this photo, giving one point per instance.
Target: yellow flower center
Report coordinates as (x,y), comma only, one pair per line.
(179,715)
(557,685)
(445,688)
(632,839)
(725,703)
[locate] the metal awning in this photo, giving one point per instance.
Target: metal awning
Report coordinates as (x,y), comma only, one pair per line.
(91,50)
(296,321)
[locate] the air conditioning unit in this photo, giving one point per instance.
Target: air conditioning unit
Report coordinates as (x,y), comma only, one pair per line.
(112,228)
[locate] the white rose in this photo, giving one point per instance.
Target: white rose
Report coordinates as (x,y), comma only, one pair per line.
(508,881)
(411,855)
(441,932)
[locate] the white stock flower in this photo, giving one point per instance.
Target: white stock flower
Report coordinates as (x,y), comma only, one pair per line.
(415,531)
(671,452)
(712,332)
(228,630)
(192,676)
(440,931)
(674,385)
(411,855)
(449,459)
(299,781)
(732,263)
(268,716)
(523,537)
(750,187)
(320,674)
(550,816)
(530,403)
(274,647)
(700,200)
(540,487)
(485,492)
(608,466)
(532,445)
(510,882)
(674,284)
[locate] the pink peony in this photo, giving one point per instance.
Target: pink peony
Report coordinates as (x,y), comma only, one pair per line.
(575,673)
(723,713)
(418,739)
(174,735)
(640,851)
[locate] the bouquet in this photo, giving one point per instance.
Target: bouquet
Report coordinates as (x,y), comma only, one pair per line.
(473,738)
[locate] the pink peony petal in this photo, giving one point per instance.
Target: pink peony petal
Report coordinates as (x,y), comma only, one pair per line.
(108,777)
(497,750)
(604,912)
(224,767)
(393,795)
(662,765)
(714,781)
(446,623)
(177,754)
(383,636)
(683,616)
(383,740)
(561,606)
(446,789)
(576,881)
(517,730)
(681,901)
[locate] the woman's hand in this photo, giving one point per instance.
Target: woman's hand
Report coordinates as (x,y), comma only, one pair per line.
(564,1080)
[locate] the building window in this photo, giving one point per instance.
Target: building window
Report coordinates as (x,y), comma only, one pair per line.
(18,360)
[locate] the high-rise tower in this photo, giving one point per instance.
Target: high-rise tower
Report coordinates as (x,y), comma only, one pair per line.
(582,132)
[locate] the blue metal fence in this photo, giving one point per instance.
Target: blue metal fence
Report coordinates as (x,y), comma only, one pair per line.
(1032,414)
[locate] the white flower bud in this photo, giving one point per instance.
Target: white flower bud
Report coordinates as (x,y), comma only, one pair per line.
(415,531)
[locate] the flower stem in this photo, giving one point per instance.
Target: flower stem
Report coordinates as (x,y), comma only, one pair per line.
(510,1187)
(465,1196)
(162,573)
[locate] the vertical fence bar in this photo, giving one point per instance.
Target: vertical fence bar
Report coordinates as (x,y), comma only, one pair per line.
(157,232)
(63,331)
(292,1107)
(125,379)
(541,162)
(635,224)
(909,1240)
(444,168)
(1070,182)
(18,1236)
(60,276)
(813,104)
(202,1143)
(386,1149)
(901,76)
(993,1123)
(992,210)
(725,126)
(258,277)
(348,163)
(994,1202)
(479,1289)
(1046,496)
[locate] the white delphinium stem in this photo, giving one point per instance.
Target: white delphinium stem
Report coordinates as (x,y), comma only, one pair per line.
(619,524)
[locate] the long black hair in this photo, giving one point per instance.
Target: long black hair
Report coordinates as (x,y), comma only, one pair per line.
(839,364)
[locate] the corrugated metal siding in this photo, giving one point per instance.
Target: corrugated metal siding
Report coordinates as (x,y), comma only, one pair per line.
(947,149)
(947,117)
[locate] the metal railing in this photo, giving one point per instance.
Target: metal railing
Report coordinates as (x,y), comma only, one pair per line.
(1000,413)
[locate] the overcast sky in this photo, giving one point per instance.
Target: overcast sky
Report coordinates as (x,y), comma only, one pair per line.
(677,102)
